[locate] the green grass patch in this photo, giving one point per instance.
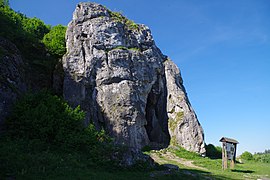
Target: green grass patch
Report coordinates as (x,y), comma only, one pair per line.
(247,170)
(118,17)
(181,152)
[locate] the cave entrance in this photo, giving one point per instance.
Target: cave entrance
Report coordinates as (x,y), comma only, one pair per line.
(157,119)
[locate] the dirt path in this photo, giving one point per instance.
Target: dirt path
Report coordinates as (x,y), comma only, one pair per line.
(168,157)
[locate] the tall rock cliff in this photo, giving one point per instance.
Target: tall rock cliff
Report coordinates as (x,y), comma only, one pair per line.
(114,70)
(12,77)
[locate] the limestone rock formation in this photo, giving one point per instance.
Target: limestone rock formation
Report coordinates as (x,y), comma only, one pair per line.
(12,76)
(185,129)
(114,70)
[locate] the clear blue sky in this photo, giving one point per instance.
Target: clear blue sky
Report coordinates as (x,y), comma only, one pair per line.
(222,48)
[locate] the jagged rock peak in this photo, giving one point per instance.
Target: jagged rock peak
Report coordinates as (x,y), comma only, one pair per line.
(114,70)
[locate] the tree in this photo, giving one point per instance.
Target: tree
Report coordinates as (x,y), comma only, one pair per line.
(55,40)
(34,27)
(213,152)
(246,156)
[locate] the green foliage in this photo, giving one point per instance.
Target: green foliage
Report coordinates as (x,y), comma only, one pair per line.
(34,27)
(262,157)
(47,135)
(45,117)
(55,40)
(17,27)
(26,34)
(118,17)
(4,2)
(246,156)
(213,152)
(48,118)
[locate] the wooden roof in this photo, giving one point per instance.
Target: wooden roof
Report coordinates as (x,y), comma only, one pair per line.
(225,139)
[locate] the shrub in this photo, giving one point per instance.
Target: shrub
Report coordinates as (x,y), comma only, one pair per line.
(44,116)
(48,118)
(246,156)
(264,158)
(213,152)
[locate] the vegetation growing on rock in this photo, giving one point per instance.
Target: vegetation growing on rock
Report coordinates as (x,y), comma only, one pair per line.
(27,34)
(118,17)
(173,123)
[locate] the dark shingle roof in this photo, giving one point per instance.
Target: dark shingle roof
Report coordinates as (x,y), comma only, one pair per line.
(225,139)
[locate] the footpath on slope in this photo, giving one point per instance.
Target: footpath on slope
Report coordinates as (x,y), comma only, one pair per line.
(170,160)
(168,157)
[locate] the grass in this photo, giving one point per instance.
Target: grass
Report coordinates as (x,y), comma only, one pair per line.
(124,48)
(118,17)
(22,159)
(247,170)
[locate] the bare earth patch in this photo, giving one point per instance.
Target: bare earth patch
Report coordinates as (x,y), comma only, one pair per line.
(166,157)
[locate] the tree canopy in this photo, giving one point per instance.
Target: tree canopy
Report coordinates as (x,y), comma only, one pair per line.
(55,40)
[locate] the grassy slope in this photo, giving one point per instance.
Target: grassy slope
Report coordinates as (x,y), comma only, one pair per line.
(32,160)
(248,170)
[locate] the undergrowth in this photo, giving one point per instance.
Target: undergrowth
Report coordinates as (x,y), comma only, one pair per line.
(44,135)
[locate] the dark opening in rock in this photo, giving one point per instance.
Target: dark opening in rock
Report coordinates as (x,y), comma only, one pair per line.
(157,119)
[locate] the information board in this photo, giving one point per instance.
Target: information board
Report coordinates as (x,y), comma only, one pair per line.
(230,151)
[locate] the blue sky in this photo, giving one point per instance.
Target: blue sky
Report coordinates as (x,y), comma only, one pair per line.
(222,48)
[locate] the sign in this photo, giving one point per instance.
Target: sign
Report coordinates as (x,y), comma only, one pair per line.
(230,151)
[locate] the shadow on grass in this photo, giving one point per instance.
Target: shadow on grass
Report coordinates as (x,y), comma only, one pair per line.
(200,174)
(183,173)
(242,171)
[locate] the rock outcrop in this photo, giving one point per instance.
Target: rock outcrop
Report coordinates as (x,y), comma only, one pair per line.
(12,77)
(116,73)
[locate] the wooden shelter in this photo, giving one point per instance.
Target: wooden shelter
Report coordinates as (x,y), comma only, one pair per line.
(228,151)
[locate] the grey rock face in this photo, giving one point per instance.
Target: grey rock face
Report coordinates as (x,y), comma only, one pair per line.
(12,82)
(185,129)
(114,70)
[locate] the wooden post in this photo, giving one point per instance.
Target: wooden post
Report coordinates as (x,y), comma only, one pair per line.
(224,156)
(234,157)
(232,164)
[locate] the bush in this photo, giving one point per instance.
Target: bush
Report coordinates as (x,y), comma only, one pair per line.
(264,158)
(246,156)
(45,136)
(213,152)
(48,118)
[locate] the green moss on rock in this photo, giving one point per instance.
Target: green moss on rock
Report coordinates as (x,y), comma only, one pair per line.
(118,17)
(174,122)
(173,141)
